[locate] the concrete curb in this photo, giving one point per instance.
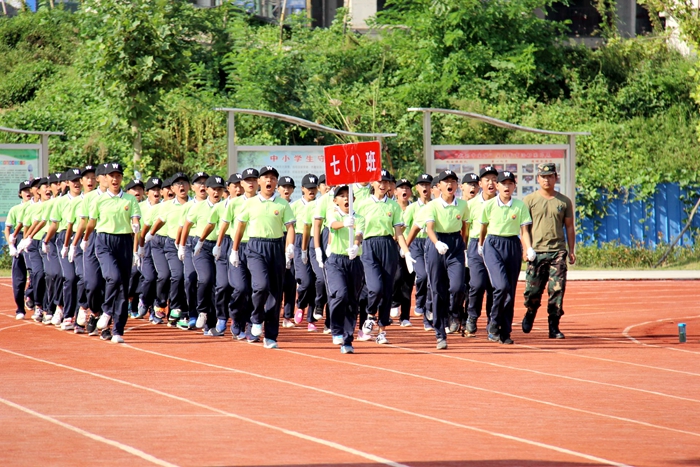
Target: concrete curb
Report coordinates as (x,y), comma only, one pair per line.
(631,275)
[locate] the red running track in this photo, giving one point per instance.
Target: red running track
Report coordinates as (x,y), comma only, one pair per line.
(620,390)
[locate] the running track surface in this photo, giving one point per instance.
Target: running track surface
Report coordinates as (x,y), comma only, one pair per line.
(620,390)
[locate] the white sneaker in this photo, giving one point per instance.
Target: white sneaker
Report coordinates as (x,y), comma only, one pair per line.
(338,340)
(369,325)
(287,323)
(19,316)
(256,330)
(405,323)
(394,312)
(47,319)
(269,343)
(82,317)
(57,316)
(429,315)
(103,322)
(67,324)
(381,338)
(117,339)
(201,320)
(361,336)
(38,315)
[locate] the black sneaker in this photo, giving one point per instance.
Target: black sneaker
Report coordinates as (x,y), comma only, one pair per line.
(106,335)
(507,341)
(454,326)
(92,326)
(528,321)
(471,327)
(494,337)
(556,334)
(29,303)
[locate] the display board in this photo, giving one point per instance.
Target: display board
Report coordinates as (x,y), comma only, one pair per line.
(18,162)
(522,160)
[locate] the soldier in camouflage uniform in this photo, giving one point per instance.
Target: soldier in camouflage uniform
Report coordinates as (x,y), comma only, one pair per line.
(551,212)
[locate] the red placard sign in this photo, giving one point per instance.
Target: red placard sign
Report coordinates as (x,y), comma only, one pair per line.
(353,163)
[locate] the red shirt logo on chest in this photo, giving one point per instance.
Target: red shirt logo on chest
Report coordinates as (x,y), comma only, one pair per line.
(513,216)
(459,216)
(388,213)
(126,208)
(277,213)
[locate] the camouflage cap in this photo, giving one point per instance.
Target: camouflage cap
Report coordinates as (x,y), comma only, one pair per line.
(547,168)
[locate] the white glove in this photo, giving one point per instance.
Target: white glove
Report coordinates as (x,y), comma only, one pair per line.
(140,251)
(198,247)
(305,256)
(181,252)
(328,250)
(441,248)
(348,221)
(64,251)
(289,264)
(71,253)
(480,250)
(289,252)
(136,228)
(11,240)
(319,257)
(233,259)
(44,247)
(83,245)
(137,260)
(13,250)
(466,259)
(352,251)
(531,255)
(148,237)
(24,244)
(410,262)
(216,252)
(401,253)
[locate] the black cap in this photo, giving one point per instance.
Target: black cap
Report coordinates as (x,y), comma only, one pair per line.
(322,179)
(340,189)
(35,182)
(434,182)
(199,175)
(402,182)
(547,169)
(424,178)
(100,169)
(269,169)
(25,185)
(71,175)
(43,181)
(167,183)
(179,176)
(284,181)
(234,178)
(471,177)
(55,177)
(87,169)
(489,169)
(215,182)
(112,167)
(153,182)
(309,181)
(505,175)
(133,184)
(446,174)
(250,173)
(386,176)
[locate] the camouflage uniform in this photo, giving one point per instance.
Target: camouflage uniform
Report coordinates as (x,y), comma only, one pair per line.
(547,269)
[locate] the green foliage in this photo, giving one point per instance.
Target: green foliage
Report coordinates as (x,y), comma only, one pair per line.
(636,256)
(5,258)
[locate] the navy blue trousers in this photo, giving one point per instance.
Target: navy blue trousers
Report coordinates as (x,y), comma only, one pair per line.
(222,289)
(94,281)
(115,254)
(37,278)
(305,277)
(70,281)
(148,277)
(345,282)
(479,283)
(289,292)
(176,294)
(320,286)
(239,279)
(423,298)
(79,266)
(190,281)
(205,268)
(403,289)
(503,257)
(446,273)
(380,259)
(160,263)
(266,263)
(54,280)
(19,277)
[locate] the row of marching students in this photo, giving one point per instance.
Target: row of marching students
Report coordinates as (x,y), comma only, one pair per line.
(239,251)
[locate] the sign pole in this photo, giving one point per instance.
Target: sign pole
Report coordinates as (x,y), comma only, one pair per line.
(232,152)
(352,213)
(427,144)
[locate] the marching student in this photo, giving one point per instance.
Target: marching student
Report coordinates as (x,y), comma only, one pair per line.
(344,270)
(157,248)
(503,218)
(303,268)
(479,281)
(320,252)
(383,228)
(148,270)
(266,217)
(361,191)
(196,220)
(446,226)
(13,233)
(470,189)
(285,189)
(136,189)
(49,255)
(403,279)
(114,217)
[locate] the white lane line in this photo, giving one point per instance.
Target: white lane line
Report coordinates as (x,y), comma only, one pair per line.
(15,326)
(6,285)
(124,447)
(124,416)
(627,330)
(296,434)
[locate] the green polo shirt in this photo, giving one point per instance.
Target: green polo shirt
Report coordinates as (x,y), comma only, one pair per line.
(361,192)
(88,200)
(16,214)
(113,213)
(28,213)
(217,212)
(232,212)
(448,217)
(266,218)
(476,205)
(340,238)
(147,210)
(171,213)
(43,214)
(410,218)
(505,220)
(299,208)
(323,205)
(76,203)
(199,215)
(381,216)
(60,211)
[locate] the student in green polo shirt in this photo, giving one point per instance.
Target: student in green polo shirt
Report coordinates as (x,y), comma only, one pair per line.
(269,221)
(504,218)
(149,274)
(303,268)
(52,267)
(403,279)
(344,269)
(285,189)
(319,238)
(13,233)
(114,218)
